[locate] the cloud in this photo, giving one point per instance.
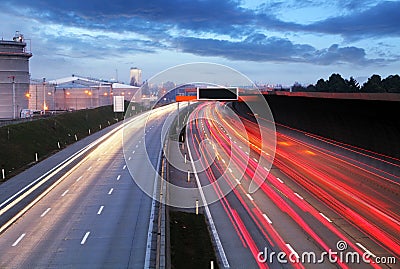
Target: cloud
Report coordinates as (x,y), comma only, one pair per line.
(196,27)
(260,48)
(380,20)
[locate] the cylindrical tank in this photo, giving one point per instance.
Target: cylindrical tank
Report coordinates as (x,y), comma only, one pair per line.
(14,77)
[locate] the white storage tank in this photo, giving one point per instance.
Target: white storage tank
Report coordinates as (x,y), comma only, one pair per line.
(14,77)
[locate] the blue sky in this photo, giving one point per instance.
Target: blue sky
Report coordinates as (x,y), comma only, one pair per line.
(269,41)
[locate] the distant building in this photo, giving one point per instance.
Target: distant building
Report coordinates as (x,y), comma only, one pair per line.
(75,93)
(14,77)
(135,76)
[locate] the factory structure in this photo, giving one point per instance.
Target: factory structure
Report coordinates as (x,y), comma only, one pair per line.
(135,76)
(76,92)
(14,77)
(20,95)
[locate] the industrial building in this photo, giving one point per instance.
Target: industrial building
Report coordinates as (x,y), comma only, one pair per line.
(135,76)
(76,92)
(14,77)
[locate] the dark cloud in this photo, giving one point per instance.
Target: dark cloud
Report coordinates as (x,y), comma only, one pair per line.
(380,20)
(165,24)
(260,48)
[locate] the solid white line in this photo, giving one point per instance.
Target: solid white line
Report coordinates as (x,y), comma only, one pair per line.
(152,215)
(251,198)
(280,180)
(79,178)
(18,240)
(45,212)
(111,190)
(292,250)
(325,217)
(266,217)
(25,191)
(64,193)
(366,250)
(298,195)
(124,167)
(208,214)
(85,238)
(118,177)
(100,210)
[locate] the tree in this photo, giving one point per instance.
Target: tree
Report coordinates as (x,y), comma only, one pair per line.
(336,83)
(391,83)
(321,85)
(352,85)
(374,84)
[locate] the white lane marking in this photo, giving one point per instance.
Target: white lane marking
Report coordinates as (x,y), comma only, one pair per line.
(100,210)
(133,152)
(251,198)
(266,217)
(298,195)
(45,212)
(280,180)
(118,177)
(238,181)
(79,178)
(137,146)
(124,167)
(105,152)
(130,158)
(64,193)
(99,159)
(255,160)
(85,237)
(325,217)
(223,161)
(211,224)
(111,190)
(366,250)
(90,168)
(152,215)
(266,168)
(292,251)
(230,170)
(240,147)
(18,240)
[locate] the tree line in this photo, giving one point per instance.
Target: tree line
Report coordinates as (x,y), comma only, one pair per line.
(336,83)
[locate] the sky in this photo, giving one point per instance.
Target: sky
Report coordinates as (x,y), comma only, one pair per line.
(274,42)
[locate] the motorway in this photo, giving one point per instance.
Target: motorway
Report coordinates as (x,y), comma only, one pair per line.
(96,216)
(313,199)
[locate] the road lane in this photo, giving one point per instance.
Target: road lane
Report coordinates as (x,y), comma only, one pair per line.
(96,217)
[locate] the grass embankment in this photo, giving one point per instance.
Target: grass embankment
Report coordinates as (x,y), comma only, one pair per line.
(20,142)
(191,245)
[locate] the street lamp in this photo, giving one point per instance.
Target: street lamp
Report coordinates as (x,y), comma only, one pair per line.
(44,96)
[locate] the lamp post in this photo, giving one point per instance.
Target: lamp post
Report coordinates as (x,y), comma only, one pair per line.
(44,96)
(13,96)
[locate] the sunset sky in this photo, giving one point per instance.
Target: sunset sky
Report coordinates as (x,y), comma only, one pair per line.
(268,41)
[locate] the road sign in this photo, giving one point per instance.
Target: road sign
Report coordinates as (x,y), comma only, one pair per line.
(217,93)
(119,104)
